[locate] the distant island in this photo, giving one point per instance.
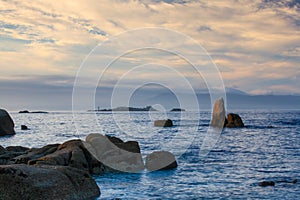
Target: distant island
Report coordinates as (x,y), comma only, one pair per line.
(177,110)
(26,111)
(134,109)
(123,108)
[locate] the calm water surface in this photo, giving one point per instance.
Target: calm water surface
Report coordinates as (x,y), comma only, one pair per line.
(268,148)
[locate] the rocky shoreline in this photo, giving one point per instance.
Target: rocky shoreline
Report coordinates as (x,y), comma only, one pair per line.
(64,171)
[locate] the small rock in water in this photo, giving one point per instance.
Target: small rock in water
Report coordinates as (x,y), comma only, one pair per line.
(160,160)
(266,183)
(24,127)
(218,116)
(234,121)
(163,123)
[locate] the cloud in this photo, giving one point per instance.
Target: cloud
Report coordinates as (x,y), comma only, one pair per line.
(254,43)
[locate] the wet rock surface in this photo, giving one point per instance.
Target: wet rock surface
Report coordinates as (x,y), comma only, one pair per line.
(46,182)
(6,124)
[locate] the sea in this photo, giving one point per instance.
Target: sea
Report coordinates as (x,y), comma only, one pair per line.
(266,149)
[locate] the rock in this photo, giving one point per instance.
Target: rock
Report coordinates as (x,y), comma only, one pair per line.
(46,182)
(130,146)
(17,149)
(2,150)
(6,124)
(24,111)
(72,153)
(294,181)
(24,127)
(114,139)
(234,121)
(160,160)
(218,115)
(266,183)
(35,153)
(117,156)
(8,153)
(163,123)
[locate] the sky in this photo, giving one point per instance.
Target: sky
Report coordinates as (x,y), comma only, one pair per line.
(255,45)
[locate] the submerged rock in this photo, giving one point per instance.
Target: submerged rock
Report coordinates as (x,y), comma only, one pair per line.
(6,124)
(218,115)
(163,123)
(234,121)
(46,182)
(115,154)
(266,183)
(160,160)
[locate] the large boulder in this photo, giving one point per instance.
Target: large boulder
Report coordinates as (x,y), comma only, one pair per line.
(115,154)
(218,115)
(35,153)
(72,153)
(6,124)
(160,160)
(163,123)
(234,121)
(46,182)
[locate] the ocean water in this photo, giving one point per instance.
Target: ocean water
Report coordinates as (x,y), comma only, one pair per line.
(268,148)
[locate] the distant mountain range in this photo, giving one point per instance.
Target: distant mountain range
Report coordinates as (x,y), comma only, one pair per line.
(236,99)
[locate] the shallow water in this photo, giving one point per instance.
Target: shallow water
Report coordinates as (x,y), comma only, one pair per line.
(268,148)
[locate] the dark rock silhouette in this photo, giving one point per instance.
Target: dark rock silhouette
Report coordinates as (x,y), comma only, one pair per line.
(273,183)
(24,111)
(6,124)
(294,181)
(133,109)
(160,160)
(163,123)
(177,110)
(46,182)
(24,127)
(233,121)
(266,183)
